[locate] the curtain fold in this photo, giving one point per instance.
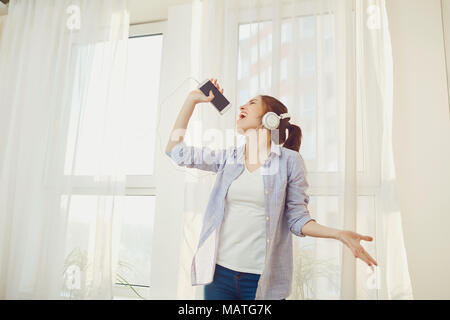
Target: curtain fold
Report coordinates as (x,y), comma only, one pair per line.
(445,15)
(374,80)
(329,62)
(2,22)
(62,71)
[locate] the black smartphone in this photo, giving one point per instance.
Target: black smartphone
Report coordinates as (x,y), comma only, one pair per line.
(220,102)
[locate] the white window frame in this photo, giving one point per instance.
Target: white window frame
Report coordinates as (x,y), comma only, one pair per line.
(144,185)
(140,185)
(136,185)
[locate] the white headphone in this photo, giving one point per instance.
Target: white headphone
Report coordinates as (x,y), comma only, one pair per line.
(271,120)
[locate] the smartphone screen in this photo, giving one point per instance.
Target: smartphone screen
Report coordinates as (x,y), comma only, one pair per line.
(220,102)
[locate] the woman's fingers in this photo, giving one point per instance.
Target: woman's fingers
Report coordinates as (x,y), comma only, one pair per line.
(370,264)
(359,252)
(214,81)
(216,84)
(367,238)
(351,240)
(210,96)
(207,98)
(372,260)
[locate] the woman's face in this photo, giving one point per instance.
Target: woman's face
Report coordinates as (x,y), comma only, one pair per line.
(250,115)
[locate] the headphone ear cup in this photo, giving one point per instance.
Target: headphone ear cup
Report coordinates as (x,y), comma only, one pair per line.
(271,120)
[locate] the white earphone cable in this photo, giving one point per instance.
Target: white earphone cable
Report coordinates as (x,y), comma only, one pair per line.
(164,100)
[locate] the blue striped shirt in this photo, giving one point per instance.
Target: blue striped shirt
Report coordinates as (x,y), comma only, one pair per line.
(285,184)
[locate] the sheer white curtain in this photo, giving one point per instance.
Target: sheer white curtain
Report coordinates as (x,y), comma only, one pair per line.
(62,73)
(445,7)
(192,50)
(330,62)
(2,22)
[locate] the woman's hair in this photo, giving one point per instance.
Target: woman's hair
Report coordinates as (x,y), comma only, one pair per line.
(294,138)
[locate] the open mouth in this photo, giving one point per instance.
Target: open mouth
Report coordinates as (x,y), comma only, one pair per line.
(242,115)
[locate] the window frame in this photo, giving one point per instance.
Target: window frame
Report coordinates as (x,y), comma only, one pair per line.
(135,185)
(140,185)
(144,185)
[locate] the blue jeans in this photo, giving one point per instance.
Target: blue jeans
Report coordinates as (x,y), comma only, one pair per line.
(228,284)
(231,285)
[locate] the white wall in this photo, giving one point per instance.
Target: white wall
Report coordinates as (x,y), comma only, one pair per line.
(421,129)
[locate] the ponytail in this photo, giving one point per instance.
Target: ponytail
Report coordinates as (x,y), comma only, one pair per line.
(292,140)
(294,137)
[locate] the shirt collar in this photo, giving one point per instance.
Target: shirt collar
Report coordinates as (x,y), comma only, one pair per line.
(274,148)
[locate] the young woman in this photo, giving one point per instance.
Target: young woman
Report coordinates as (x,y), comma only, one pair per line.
(258,199)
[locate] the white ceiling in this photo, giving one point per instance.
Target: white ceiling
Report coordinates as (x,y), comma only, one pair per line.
(140,10)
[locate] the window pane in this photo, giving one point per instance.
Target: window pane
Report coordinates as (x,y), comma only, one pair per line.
(135,238)
(144,63)
(139,124)
(306,79)
(254,59)
(317,263)
(131,220)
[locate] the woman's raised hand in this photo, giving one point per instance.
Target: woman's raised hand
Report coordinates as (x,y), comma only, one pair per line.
(197,96)
(214,81)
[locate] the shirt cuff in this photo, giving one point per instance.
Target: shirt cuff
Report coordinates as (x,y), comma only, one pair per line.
(301,223)
(176,153)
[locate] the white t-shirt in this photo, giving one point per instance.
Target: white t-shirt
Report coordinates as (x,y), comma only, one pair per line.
(242,242)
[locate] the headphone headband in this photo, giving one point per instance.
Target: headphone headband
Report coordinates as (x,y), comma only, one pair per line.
(271,120)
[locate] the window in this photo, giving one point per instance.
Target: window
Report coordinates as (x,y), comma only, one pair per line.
(144,63)
(316,105)
(132,224)
(307,53)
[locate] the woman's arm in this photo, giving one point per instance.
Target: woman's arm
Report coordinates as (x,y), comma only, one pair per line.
(182,121)
(300,222)
(202,158)
(349,238)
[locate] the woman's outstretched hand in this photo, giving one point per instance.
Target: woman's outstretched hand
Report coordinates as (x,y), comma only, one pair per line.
(197,96)
(351,239)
